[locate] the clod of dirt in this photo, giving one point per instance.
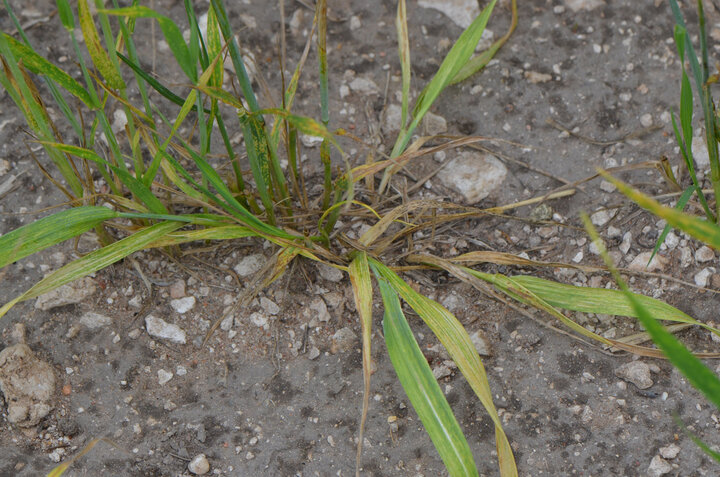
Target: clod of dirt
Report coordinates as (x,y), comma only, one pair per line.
(635,372)
(199,465)
(27,383)
(474,175)
(67,294)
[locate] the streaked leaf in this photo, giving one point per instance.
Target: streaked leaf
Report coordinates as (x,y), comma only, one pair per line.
(699,375)
(97,53)
(404,51)
(421,387)
(39,65)
(457,342)
(95,261)
(51,230)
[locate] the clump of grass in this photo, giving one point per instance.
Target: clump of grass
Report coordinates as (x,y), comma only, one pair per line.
(143,169)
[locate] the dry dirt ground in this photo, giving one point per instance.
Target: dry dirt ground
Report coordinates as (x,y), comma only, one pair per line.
(270,394)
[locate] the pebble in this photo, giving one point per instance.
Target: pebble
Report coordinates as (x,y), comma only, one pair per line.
(658,466)
(164,376)
(626,243)
(28,385)
(441,371)
(330,273)
(269,306)
(608,187)
(600,218)
(317,311)
(343,340)
(703,277)
(355,23)
(640,263)
(68,294)
(461,12)
(250,264)
(704,254)
(636,372)
(481,345)
(160,328)
(199,465)
(119,121)
(177,289)
(646,120)
(313,353)
(259,319)
(670,452)
(183,305)
(434,124)
(92,320)
(392,121)
(363,85)
(536,77)
(474,175)
(700,152)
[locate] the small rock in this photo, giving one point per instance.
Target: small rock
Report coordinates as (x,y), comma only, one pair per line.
(434,124)
(640,263)
(670,452)
(461,12)
(535,77)
(313,353)
(199,465)
(28,384)
(311,141)
(703,277)
(68,294)
(607,186)
(355,23)
(600,218)
(626,243)
(646,120)
(330,273)
(393,119)
(160,328)
(658,466)
(164,376)
(577,5)
(441,371)
(92,320)
(636,372)
(259,319)
(363,85)
(250,264)
(269,306)
(704,254)
(119,121)
(227,323)
(317,310)
(700,152)
(343,340)
(177,289)
(480,343)
(183,305)
(541,212)
(474,175)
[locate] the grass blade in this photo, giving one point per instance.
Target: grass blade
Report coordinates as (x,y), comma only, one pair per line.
(694,226)
(98,55)
(682,201)
(362,292)
(51,230)
(457,342)
(699,375)
(422,389)
(95,261)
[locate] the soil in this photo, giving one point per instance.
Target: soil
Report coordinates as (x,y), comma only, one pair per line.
(280,399)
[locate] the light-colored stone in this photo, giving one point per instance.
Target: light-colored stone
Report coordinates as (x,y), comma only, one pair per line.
(250,264)
(577,5)
(27,383)
(164,376)
(343,340)
(160,328)
(330,273)
(636,372)
(702,278)
(94,320)
(183,305)
(640,263)
(441,371)
(434,124)
(480,343)
(259,319)
(68,294)
(671,451)
(461,12)
(363,85)
(535,77)
(199,465)
(658,466)
(600,218)
(700,152)
(704,254)
(646,120)
(177,289)
(473,175)
(392,122)
(626,243)
(317,311)
(269,306)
